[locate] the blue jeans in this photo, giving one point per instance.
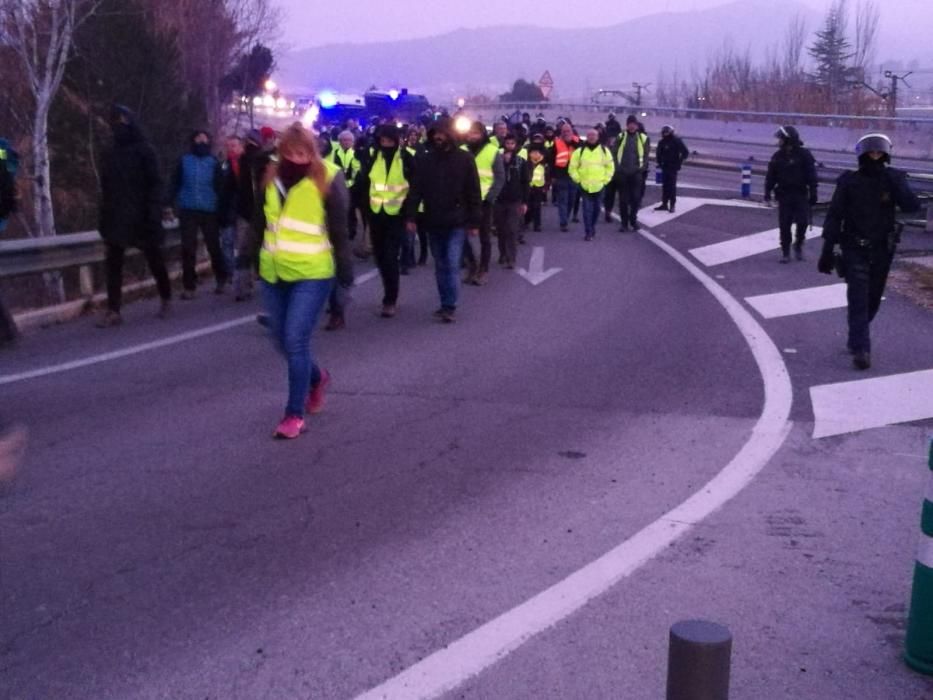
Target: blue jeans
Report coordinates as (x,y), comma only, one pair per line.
(564,189)
(447,249)
(294,308)
(591,204)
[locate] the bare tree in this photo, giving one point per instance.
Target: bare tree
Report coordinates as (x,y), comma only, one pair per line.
(795,38)
(41,33)
(867,20)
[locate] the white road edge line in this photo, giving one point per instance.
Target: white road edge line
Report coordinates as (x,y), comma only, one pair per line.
(125,352)
(470,655)
(145,347)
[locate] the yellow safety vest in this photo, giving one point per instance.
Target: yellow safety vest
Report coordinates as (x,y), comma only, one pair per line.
(537,174)
(296,245)
(484,162)
(346,160)
(387,191)
(592,169)
(640,147)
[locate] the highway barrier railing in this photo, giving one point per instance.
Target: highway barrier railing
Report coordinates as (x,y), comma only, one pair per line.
(843,120)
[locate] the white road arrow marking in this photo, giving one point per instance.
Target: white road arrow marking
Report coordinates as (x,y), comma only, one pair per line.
(536,274)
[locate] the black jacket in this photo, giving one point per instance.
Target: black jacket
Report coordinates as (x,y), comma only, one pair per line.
(670,153)
(7,192)
(864,206)
(131,193)
(447,183)
(791,172)
(228,188)
(517,182)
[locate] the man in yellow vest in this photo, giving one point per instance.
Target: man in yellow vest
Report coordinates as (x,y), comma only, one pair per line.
(344,157)
(631,170)
(591,167)
(389,177)
(491,179)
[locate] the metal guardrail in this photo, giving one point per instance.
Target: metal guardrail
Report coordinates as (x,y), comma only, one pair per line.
(25,256)
(725,115)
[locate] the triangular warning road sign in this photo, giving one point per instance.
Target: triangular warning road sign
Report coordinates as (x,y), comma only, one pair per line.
(546,80)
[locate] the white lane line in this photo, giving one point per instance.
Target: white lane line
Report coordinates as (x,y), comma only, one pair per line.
(365,277)
(685,205)
(799,301)
(145,347)
(691,186)
(743,247)
(126,352)
(848,407)
(470,655)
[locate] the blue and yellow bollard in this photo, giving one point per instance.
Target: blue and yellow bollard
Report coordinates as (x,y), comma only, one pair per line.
(746,181)
(919,653)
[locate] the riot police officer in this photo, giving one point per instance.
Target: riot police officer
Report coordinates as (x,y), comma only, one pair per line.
(792,176)
(861,222)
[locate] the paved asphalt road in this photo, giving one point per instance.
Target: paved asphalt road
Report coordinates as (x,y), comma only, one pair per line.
(158,544)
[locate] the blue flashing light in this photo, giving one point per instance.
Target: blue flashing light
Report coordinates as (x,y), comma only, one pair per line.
(327,100)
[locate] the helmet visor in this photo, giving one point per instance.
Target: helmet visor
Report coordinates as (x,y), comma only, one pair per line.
(873,142)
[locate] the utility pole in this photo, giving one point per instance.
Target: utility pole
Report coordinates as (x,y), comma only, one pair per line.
(892,95)
(638,88)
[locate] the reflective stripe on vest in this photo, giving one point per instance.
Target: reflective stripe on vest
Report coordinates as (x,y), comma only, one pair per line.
(640,147)
(537,175)
(591,168)
(296,245)
(387,191)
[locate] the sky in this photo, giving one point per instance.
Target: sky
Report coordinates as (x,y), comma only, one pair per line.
(370,20)
(315,23)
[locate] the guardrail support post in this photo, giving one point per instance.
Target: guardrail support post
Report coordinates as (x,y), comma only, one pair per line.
(930,216)
(8,330)
(699,661)
(746,181)
(86,280)
(919,652)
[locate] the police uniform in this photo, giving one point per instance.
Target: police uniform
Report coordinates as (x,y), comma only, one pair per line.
(792,177)
(861,221)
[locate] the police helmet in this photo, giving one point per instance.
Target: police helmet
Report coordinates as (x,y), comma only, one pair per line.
(667,129)
(874,142)
(789,134)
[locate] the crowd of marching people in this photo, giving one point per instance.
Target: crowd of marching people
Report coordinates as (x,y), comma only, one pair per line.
(294,208)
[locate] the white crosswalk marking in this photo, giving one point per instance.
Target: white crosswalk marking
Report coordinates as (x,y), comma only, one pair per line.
(743,247)
(799,301)
(652,218)
(849,407)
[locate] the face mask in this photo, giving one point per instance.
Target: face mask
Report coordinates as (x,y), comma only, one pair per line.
(388,150)
(290,172)
(871,166)
(202,149)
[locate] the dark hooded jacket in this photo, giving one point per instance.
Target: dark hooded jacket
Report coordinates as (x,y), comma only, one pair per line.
(131,191)
(447,183)
(792,173)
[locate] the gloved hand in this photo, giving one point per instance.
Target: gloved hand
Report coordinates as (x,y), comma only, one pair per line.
(826,262)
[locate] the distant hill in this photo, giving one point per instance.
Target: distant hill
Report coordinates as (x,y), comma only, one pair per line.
(580,60)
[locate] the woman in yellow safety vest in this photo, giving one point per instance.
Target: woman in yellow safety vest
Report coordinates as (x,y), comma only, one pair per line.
(305,246)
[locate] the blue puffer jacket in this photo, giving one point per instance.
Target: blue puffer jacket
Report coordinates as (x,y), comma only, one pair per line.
(197,183)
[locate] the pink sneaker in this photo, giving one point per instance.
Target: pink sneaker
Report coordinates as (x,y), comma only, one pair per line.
(290,428)
(315,402)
